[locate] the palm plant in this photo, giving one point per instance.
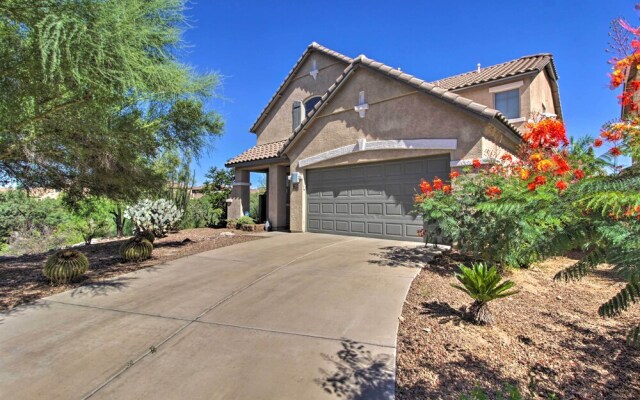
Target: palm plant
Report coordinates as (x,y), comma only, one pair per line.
(482,284)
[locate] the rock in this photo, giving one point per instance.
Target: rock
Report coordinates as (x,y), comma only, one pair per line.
(558,298)
(401,318)
(428,330)
(227,234)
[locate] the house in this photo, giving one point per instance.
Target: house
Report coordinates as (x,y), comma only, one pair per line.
(345,141)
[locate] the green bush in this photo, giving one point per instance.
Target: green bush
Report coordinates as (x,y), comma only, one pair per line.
(66,266)
(244,220)
(202,213)
(483,285)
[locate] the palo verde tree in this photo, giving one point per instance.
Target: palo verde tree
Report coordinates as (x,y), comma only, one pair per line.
(92,92)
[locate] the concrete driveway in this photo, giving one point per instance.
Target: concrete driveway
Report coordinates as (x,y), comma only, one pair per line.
(293,316)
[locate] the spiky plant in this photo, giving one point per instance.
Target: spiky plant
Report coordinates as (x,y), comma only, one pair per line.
(65,266)
(147,235)
(136,249)
(483,285)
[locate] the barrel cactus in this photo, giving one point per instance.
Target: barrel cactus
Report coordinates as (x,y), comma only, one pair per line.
(136,249)
(65,266)
(147,235)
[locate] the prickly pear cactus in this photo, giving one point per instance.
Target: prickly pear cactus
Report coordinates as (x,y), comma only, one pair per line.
(136,249)
(156,216)
(65,266)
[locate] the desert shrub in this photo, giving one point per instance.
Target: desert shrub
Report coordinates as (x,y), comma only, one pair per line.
(483,285)
(66,266)
(136,249)
(202,213)
(156,216)
(92,218)
(244,220)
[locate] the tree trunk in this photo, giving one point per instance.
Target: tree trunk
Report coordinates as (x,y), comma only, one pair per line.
(480,313)
(119,219)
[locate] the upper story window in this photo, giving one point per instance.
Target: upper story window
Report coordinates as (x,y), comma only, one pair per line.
(508,103)
(300,111)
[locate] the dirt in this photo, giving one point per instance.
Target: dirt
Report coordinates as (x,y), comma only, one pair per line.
(548,339)
(22,281)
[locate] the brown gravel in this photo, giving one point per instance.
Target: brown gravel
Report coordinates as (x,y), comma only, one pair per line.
(548,339)
(21,278)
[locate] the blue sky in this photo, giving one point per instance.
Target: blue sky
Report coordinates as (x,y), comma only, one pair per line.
(254,44)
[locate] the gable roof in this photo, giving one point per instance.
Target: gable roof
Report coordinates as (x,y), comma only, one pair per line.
(522,65)
(419,84)
(311,48)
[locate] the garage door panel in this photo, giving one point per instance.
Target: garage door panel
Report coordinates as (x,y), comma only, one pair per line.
(370,199)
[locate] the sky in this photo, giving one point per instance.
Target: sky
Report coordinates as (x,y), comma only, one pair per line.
(253,45)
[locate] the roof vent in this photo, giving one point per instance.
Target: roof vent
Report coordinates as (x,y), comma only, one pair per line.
(478,68)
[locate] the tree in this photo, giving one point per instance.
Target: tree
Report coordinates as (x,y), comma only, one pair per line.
(217,188)
(92,92)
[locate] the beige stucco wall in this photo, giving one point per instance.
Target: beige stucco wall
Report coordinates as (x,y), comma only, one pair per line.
(396,111)
(540,90)
(278,123)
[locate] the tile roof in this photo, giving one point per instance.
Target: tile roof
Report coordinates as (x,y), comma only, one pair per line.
(259,152)
(312,47)
(410,80)
(522,65)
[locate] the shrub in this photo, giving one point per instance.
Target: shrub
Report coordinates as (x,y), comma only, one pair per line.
(202,213)
(65,266)
(136,249)
(157,216)
(244,220)
(483,285)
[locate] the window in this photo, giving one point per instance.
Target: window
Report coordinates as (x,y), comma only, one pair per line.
(309,104)
(508,103)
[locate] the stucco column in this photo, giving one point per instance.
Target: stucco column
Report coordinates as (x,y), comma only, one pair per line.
(297,205)
(277,191)
(239,203)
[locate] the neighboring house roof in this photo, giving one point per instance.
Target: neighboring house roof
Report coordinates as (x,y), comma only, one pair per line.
(312,47)
(418,84)
(520,66)
(259,152)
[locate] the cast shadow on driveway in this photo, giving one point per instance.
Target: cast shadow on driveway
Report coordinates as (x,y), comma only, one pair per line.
(358,374)
(102,288)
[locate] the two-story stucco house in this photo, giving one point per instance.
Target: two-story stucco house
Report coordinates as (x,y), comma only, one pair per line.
(345,142)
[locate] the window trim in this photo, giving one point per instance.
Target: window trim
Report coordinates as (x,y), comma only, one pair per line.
(506,87)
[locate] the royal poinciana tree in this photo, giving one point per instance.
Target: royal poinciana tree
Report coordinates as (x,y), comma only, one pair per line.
(555,196)
(92,92)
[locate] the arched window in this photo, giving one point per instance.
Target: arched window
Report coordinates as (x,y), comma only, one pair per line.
(300,111)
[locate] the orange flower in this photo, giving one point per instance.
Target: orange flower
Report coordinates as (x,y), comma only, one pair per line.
(418,198)
(615,151)
(532,186)
(437,183)
(561,185)
(493,191)
(454,174)
(477,164)
(446,189)
(425,186)
(578,174)
(562,167)
(547,134)
(535,157)
(597,143)
(524,174)
(540,180)
(545,165)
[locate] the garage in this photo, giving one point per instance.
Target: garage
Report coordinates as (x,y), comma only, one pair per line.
(373,200)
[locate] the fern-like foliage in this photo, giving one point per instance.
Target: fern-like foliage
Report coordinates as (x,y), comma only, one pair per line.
(621,301)
(633,338)
(582,268)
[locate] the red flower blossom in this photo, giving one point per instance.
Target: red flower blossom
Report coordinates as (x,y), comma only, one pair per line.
(562,167)
(578,174)
(506,157)
(454,174)
(561,185)
(437,183)
(477,164)
(615,151)
(597,143)
(493,191)
(532,186)
(546,134)
(446,189)
(425,187)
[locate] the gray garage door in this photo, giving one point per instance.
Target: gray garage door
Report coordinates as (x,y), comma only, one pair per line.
(370,199)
